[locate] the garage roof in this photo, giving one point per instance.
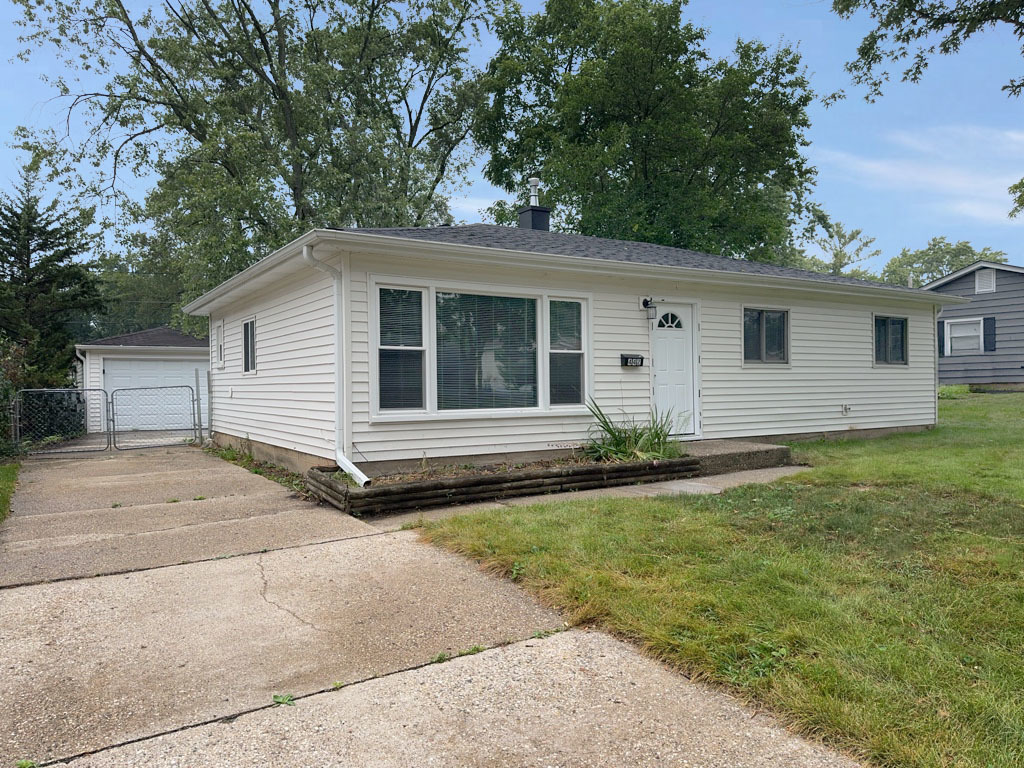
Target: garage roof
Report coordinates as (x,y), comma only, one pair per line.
(164,336)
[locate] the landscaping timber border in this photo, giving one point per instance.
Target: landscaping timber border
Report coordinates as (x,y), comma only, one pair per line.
(438,492)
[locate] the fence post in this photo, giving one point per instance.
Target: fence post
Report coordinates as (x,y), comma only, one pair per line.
(199,408)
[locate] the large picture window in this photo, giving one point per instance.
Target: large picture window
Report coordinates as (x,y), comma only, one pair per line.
(486,351)
(765,336)
(401,350)
(445,350)
(890,340)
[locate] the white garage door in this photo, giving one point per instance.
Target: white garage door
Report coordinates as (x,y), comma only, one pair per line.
(159,409)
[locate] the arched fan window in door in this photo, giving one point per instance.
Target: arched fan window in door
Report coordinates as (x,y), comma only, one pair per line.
(670,320)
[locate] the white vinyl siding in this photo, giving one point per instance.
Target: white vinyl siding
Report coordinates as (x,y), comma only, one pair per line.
(830,365)
(291,402)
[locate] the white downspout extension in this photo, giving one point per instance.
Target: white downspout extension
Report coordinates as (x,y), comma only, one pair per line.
(339,369)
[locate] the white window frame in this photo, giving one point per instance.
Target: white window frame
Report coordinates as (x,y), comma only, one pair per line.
(763,364)
(255,347)
(965,321)
(977,280)
(582,351)
(430,288)
(424,344)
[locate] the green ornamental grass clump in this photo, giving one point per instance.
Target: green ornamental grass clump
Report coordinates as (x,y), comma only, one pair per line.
(631,439)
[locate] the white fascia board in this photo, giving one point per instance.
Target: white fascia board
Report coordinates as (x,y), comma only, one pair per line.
(197,351)
(486,256)
(971,268)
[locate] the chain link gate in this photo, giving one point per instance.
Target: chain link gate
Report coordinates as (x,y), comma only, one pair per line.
(147,417)
(58,421)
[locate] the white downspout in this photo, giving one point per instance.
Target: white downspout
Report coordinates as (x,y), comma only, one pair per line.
(339,368)
(81,359)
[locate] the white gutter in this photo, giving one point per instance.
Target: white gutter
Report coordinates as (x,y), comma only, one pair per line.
(339,368)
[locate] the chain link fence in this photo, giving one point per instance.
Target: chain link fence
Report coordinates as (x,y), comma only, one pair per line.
(60,421)
(56,421)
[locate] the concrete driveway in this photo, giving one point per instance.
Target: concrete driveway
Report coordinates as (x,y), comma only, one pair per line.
(206,609)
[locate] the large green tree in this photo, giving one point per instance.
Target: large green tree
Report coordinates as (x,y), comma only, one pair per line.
(43,285)
(940,257)
(909,33)
(638,133)
(259,119)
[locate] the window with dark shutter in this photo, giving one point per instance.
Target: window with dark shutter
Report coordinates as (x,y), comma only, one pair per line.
(941,336)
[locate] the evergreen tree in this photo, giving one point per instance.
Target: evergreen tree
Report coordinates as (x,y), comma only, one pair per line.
(42,286)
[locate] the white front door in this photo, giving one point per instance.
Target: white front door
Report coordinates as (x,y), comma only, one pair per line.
(673,381)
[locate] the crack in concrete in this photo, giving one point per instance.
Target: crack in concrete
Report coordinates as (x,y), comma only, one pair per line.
(226,719)
(263,594)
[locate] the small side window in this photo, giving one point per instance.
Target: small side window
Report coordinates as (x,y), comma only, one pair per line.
(249,346)
(890,340)
(765,336)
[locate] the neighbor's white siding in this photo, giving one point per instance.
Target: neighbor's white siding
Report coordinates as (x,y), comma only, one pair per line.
(289,400)
(831,365)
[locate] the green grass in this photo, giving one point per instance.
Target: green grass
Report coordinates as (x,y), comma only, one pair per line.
(8,477)
(875,602)
(977,447)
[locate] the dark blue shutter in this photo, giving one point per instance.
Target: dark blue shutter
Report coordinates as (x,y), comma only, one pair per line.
(942,338)
(989,333)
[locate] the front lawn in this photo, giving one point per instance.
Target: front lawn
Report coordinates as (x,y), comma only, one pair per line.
(8,477)
(876,602)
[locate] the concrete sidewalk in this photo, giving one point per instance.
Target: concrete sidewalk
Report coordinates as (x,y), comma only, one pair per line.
(96,662)
(580,699)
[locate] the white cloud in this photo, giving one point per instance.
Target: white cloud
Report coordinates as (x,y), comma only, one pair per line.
(962,171)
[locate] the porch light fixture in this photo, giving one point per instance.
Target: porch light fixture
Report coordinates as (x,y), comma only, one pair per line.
(651,307)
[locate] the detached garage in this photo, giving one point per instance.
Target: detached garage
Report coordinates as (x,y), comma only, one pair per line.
(157,357)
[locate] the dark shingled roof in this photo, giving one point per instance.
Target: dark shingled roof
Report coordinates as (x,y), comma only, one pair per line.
(151,337)
(561,244)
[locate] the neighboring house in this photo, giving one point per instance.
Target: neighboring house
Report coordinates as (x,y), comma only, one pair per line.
(156,357)
(372,347)
(982,342)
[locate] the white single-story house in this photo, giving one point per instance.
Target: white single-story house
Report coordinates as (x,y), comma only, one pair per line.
(375,346)
(156,357)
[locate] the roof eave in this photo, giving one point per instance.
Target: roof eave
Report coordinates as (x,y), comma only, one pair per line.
(94,347)
(386,244)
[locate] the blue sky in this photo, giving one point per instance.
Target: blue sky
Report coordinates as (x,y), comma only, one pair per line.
(925,160)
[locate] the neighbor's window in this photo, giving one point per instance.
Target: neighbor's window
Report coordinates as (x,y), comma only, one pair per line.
(963,337)
(565,352)
(402,350)
(890,340)
(249,346)
(486,351)
(765,336)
